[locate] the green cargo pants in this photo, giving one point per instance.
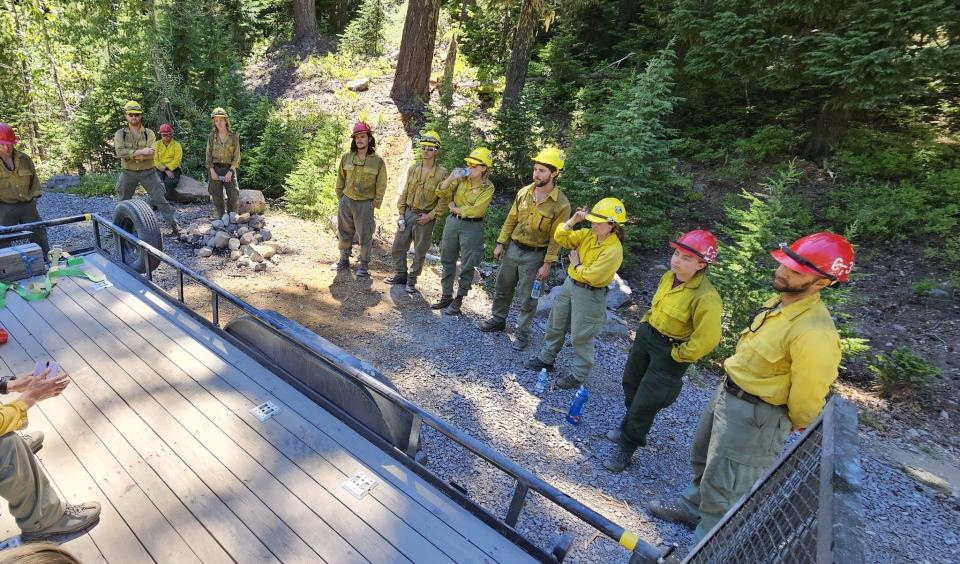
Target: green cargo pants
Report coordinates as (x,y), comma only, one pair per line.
(580,311)
(420,235)
(216,188)
(518,269)
(355,219)
(130,179)
(33,501)
(652,381)
(735,442)
(464,240)
(24,212)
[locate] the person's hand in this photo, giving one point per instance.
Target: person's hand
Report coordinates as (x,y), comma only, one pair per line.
(453,207)
(544,271)
(169,173)
(577,217)
(213,173)
(423,219)
(163,168)
(146,151)
(40,387)
(797,429)
(497,251)
(574,257)
(228,177)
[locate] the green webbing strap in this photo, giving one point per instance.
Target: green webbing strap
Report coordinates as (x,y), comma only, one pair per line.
(49,281)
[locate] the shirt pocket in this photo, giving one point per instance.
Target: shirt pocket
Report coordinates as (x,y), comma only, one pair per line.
(767,357)
(675,319)
(542,222)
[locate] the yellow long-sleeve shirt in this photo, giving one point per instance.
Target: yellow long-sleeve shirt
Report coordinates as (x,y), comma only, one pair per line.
(689,313)
(13,416)
(790,359)
(533,224)
(362,178)
(20,184)
(420,190)
(125,143)
(473,201)
(598,261)
(170,156)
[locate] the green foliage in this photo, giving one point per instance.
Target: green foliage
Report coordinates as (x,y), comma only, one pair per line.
(496,215)
(515,143)
(903,375)
(892,212)
(626,153)
(909,153)
(485,36)
(924,287)
(768,141)
(96,185)
(310,187)
(269,163)
(364,35)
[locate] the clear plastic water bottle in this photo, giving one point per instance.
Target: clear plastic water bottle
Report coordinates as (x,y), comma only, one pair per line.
(536,289)
(541,384)
(575,413)
(463,172)
(402,223)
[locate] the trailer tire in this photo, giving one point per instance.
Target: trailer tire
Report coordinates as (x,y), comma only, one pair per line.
(136,217)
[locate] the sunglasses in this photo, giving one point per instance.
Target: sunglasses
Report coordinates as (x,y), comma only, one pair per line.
(135,115)
(431,149)
(789,252)
(473,165)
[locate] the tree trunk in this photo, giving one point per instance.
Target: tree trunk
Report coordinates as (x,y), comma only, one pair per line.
(53,62)
(337,17)
(450,63)
(520,49)
(36,149)
(305,21)
(826,132)
(411,83)
(627,11)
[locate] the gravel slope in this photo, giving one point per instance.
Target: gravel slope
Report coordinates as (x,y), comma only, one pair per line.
(475,380)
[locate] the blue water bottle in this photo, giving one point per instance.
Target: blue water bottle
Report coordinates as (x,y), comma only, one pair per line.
(536,289)
(575,414)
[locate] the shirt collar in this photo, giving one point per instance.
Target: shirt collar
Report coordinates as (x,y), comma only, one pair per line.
(553,195)
(693,283)
(793,310)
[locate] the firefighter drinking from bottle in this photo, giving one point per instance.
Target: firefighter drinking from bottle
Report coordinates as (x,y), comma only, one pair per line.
(682,326)
(581,305)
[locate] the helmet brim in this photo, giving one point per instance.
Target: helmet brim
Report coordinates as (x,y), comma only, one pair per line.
(793,265)
(471,160)
(429,144)
(597,219)
(689,251)
(133,112)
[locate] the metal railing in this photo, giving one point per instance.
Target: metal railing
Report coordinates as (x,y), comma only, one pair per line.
(525,481)
(805,508)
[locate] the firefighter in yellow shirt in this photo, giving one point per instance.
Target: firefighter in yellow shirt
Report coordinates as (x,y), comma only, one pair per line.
(681,327)
(467,194)
(223,160)
(361,184)
(19,188)
(581,306)
(776,382)
(167,158)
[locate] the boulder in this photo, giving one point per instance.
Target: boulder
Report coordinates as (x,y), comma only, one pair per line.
(246,238)
(189,190)
(614,325)
(217,224)
(256,222)
(251,201)
(265,251)
(260,267)
(242,229)
(224,220)
(220,239)
(359,85)
(243,262)
(255,255)
(234,255)
(234,244)
(243,218)
(545,303)
(619,293)
(265,234)
(61,182)
(204,252)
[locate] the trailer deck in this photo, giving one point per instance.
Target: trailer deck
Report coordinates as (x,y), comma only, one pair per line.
(157,427)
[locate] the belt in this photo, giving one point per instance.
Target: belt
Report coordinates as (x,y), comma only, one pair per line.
(587,286)
(222,164)
(734,390)
(527,248)
(665,337)
(416,211)
(461,218)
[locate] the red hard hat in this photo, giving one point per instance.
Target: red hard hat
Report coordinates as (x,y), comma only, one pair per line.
(165,128)
(7,136)
(698,243)
(361,127)
(823,254)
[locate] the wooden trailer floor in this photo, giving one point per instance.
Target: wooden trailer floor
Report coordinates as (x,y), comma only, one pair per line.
(157,427)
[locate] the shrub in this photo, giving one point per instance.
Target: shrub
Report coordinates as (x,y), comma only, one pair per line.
(887,211)
(364,35)
(515,143)
(768,141)
(93,185)
(311,186)
(626,153)
(908,154)
(269,163)
(904,375)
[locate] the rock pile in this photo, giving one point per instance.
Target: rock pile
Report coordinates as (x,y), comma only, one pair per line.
(244,236)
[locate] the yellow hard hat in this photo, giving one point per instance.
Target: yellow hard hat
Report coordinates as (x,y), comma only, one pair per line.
(550,156)
(480,155)
(430,139)
(132,107)
(607,210)
(218,112)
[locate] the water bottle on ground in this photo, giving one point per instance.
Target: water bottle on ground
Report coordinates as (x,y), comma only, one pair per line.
(575,414)
(541,382)
(536,289)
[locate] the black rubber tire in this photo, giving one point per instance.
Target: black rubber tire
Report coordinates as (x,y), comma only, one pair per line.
(136,217)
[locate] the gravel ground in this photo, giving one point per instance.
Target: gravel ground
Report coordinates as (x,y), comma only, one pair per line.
(478,384)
